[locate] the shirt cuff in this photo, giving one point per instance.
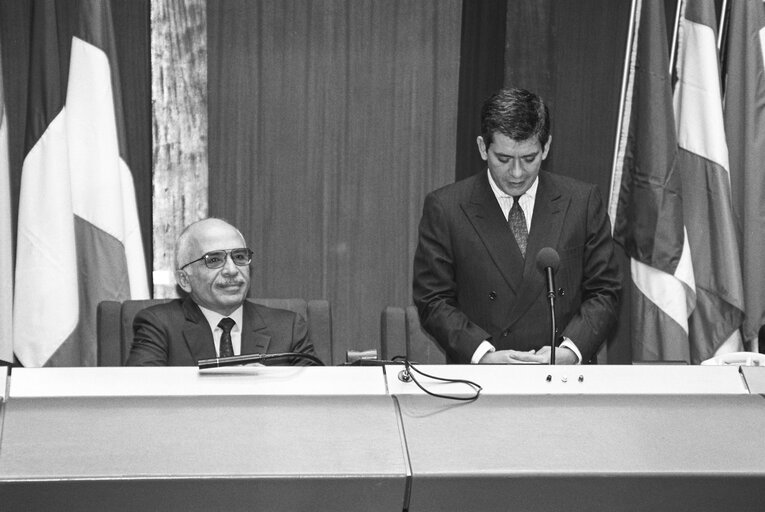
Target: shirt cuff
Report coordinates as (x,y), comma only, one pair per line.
(567,343)
(481,351)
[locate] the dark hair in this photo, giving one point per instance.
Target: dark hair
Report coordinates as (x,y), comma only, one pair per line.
(515,113)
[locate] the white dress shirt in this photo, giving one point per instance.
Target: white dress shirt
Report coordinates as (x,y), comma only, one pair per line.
(214,318)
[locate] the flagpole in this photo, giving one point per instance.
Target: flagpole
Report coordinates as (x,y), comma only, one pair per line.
(620,140)
(675,31)
(723,22)
(722,38)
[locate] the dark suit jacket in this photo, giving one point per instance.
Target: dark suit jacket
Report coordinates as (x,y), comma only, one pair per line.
(176,333)
(471,282)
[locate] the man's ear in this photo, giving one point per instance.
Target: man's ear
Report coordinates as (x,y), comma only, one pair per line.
(482,148)
(547,147)
(182,278)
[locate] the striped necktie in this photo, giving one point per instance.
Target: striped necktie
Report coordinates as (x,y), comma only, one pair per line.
(517,221)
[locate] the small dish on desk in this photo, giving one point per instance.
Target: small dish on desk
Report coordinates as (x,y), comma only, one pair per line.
(736,359)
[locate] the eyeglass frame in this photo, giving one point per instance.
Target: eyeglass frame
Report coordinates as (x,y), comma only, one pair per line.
(227,255)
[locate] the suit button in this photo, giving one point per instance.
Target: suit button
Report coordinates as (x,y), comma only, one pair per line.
(505,333)
(561,292)
(492,295)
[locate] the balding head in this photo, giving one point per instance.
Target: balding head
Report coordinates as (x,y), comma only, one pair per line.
(192,238)
(219,289)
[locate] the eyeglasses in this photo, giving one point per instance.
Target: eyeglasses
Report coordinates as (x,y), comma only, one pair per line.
(216,259)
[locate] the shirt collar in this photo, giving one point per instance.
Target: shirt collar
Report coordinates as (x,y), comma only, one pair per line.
(499,193)
(214,318)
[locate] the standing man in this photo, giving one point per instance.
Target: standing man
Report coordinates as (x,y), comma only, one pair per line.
(215,319)
(476,284)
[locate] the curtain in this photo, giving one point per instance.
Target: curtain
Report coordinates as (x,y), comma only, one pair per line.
(329,121)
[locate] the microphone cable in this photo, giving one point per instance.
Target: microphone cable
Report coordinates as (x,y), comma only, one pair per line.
(407,375)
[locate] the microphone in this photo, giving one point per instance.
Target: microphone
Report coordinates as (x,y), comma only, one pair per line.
(547,263)
(218,362)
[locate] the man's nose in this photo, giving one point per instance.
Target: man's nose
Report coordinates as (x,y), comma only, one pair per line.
(229,266)
(516,168)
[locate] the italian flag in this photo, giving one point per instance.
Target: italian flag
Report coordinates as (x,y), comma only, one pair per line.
(78,236)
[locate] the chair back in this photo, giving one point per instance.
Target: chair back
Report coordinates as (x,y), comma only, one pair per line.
(402,334)
(115,325)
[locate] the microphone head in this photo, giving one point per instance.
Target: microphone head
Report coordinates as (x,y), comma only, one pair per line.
(548,257)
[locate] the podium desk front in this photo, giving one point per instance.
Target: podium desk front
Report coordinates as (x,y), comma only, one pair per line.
(3,384)
(574,380)
(200,451)
(755,378)
(189,381)
(585,452)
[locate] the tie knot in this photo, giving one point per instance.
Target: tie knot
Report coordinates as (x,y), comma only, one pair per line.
(226,324)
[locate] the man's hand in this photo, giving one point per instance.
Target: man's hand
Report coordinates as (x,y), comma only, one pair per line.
(509,357)
(541,356)
(563,355)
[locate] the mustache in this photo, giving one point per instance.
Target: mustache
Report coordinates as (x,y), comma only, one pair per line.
(230,282)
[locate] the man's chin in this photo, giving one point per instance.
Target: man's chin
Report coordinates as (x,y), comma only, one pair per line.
(230,303)
(231,296)
(234,297)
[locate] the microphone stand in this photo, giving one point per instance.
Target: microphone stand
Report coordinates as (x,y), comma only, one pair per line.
(551,297)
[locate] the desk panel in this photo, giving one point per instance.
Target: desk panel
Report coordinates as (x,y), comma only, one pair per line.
(202,453)
(586,452)
(574,380)
(189,381)
(754,376)
(3,383)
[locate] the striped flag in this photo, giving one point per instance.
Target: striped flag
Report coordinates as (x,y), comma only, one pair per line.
(704,167)
(646,199)
(745,127)
(6,238)
(78,237)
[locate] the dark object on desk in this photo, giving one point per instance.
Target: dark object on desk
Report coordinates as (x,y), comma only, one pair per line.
(220,362)
(659,362)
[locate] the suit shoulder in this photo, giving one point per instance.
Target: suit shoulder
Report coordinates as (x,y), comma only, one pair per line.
(457,190)
(569,182)
(170,307)
(273,313)
(572,186)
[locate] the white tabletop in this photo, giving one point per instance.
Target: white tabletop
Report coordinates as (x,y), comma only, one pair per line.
(190,381)
(589,379)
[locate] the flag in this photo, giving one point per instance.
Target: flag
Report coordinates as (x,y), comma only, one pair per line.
(646,199)
(704,167)
(745,128)
(78,235)
(6,238)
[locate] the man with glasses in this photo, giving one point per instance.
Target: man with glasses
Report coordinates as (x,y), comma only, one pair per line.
(215,319)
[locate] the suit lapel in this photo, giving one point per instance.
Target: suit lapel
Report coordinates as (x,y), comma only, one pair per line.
(254,339)
(550,206)
(485,215)
(196,332)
